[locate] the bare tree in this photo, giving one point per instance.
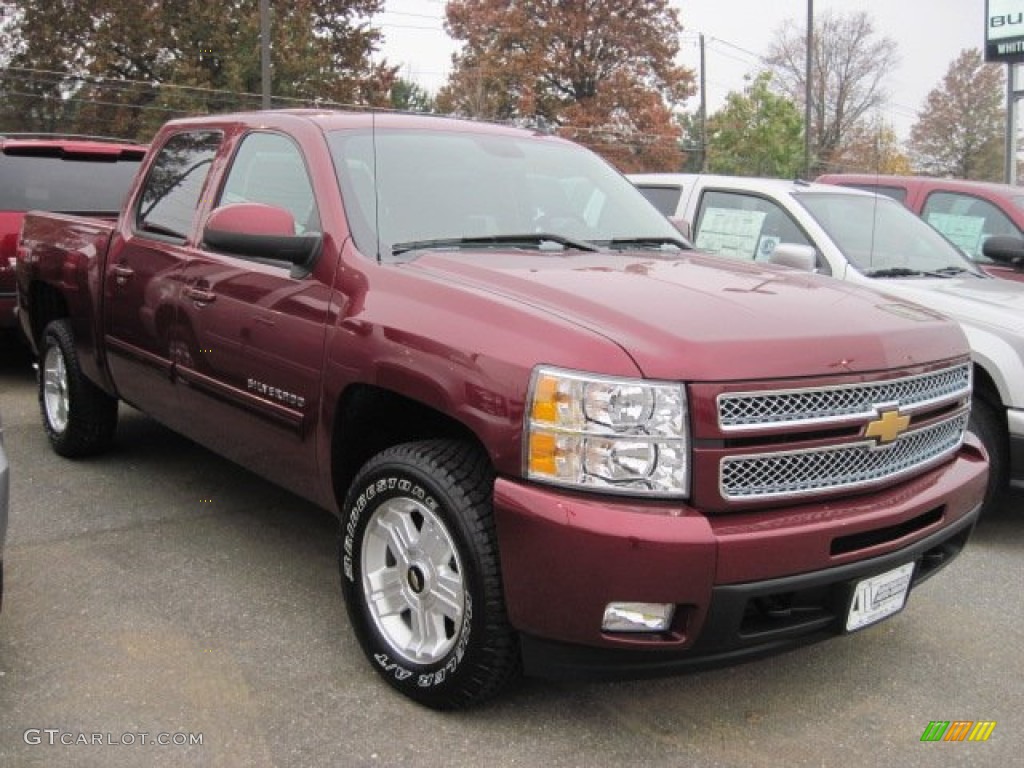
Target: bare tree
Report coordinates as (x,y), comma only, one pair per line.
(960,130)
(849,66)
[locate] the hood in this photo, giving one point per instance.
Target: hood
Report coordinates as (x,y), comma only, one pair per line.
(704,318)
(996,304)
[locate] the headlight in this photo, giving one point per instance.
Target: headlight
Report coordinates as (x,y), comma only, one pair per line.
(609,434)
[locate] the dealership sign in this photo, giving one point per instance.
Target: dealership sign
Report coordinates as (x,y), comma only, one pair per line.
(1004,30)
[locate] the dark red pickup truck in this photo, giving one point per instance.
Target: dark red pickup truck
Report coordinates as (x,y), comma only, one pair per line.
(555,436)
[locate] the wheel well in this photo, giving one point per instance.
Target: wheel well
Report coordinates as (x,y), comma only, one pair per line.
(370,419)
(985,387)
(46,305)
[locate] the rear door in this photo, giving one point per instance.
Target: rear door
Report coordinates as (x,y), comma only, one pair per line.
(142,284)
(251,381)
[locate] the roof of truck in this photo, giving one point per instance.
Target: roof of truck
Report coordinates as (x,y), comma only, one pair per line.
(335,119)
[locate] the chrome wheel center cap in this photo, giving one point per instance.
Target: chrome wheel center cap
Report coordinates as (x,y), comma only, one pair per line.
(416,579)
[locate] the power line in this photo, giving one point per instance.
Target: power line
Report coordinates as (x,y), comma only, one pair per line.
(119,83)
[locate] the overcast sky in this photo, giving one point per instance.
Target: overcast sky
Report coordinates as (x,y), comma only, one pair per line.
(929,35)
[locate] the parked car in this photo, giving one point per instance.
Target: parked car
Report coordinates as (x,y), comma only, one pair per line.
(967,212)
(71,174)
(555,438)
(871,240)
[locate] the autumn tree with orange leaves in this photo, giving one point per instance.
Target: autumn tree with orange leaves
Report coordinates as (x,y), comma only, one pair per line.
(601,72)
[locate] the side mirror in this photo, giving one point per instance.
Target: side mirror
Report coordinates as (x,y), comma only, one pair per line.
(802,257)
(259,231)
(1005,250)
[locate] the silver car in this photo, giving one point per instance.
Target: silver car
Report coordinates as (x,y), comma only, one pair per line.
(4,495)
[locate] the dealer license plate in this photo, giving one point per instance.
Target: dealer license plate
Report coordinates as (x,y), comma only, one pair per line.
(878,597)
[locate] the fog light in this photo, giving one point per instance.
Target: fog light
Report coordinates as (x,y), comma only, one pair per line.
(637,617)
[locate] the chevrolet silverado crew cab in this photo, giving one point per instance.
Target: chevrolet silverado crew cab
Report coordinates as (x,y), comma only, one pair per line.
(72,174)
(555,437)
(870,239)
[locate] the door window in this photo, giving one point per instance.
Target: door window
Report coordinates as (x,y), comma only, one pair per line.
(269,169)
(663,197)
(967,220)
(170,198)
(745,227)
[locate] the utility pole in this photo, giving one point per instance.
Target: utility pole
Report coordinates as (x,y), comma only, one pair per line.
(703,110)
(265,52)
(1013,95)
(808,58)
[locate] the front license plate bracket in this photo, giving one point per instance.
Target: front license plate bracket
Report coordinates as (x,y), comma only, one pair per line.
(878,597)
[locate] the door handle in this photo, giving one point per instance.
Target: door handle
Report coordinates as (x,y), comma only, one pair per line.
(122,273)
(198,295)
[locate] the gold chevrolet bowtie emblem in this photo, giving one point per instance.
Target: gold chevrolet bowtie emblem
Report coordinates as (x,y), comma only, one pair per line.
(887,427)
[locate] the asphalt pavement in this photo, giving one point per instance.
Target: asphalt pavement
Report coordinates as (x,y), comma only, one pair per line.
(162,594)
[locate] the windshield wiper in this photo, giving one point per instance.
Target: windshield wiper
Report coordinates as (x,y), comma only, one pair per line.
(954,271)
(907,272)
(535,239)
(647,242)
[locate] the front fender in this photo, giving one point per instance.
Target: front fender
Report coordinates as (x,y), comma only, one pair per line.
(1002,359)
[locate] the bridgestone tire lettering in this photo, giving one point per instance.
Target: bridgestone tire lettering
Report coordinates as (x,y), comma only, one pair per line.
(444,487)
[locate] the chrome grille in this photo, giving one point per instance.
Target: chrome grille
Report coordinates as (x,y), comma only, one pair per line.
(760,410)
(848,466)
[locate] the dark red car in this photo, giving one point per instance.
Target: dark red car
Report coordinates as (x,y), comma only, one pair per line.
(966,212)
(556,438)
(67,174)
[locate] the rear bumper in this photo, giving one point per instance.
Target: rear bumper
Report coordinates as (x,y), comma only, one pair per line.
(743,584)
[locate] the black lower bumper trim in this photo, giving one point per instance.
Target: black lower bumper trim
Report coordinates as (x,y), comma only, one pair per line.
(752,620)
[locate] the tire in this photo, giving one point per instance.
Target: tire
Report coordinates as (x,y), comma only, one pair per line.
(989,424)
(79,417)
(420,574)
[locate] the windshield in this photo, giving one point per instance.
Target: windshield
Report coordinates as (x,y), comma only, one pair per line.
(881,238)
(469,188)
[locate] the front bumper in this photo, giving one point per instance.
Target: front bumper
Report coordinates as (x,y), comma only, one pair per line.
(744,584)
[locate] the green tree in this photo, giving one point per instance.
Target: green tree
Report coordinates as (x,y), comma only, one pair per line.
(849,66)
(122,67)
(601,71)
(692,142)
(960,132)
(756,133)
(407,96)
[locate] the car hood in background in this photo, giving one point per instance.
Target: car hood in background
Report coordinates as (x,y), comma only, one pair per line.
(989,302)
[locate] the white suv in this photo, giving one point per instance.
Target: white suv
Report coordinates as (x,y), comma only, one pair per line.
(869,239)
